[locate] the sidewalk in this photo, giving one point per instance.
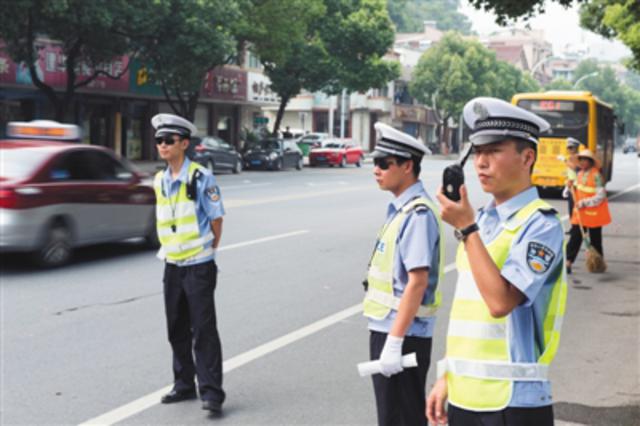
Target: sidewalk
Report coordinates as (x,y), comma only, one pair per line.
(596,374)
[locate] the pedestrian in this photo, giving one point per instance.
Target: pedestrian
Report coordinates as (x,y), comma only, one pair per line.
(591,207)
(189,214)
(510,295)
(402,282)
(572,169)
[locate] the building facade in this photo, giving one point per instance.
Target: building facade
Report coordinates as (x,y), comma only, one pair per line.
(117,113)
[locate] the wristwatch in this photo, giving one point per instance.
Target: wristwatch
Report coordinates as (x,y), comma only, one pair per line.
(462,234)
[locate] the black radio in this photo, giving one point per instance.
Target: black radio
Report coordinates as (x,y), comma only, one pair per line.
(453,178)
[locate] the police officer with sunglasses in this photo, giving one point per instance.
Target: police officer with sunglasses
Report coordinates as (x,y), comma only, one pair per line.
(402,280)
(189,223)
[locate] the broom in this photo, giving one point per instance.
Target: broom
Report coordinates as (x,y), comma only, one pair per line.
(594,261)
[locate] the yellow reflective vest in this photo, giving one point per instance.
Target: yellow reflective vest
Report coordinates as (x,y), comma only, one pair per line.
(177,222)
(478,365)
(380,299)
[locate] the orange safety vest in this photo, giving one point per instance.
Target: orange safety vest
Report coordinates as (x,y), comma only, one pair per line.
(591,217)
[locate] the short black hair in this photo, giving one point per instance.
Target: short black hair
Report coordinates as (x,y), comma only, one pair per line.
(522,144)
(416,163)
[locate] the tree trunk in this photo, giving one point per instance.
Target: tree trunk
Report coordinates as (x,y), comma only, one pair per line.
(283,104)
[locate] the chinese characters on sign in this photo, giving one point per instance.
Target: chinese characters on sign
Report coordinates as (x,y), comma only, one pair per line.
(260,89)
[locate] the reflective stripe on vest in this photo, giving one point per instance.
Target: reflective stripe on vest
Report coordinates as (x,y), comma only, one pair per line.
(479,369)
(586,187)
(180,212)
(380,299)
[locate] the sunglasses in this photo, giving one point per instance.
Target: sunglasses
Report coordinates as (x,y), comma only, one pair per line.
(167,140)
(383,163)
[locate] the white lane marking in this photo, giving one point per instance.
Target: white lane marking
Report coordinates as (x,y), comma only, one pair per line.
(152,399)
(262,240)
(246,185)
(244,203)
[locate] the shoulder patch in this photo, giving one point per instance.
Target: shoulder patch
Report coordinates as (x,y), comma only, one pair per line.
(539,257)
(213,193)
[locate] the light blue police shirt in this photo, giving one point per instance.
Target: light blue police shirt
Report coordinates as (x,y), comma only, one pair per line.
(417,246)
(206,208)
(526,320)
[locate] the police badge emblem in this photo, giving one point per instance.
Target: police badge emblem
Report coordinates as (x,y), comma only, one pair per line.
(213,193)
(539,257)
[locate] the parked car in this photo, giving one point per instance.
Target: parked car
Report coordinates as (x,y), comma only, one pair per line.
(57,196)
(336,154)
(311,140)
(630,145)
(215,154)
(273,154)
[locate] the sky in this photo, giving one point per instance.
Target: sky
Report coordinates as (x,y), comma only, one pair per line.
(561,27)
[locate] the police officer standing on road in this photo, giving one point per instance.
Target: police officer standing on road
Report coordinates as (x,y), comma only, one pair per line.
(504,326)
(402,281)
(189,214)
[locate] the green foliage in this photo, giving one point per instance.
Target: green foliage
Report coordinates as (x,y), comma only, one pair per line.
(91,33)
(606,86)
(615,18)
(559,84)
(456,70)
(409,15)
(190,37)
(335,44)
(506,10)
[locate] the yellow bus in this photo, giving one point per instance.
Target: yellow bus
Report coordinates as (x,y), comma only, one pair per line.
(576,114)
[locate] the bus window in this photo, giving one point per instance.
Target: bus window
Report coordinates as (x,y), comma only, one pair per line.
(567,118)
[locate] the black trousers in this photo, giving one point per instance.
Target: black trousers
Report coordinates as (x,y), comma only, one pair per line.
(575,241)
(400,399)
(510,416)
(192,329)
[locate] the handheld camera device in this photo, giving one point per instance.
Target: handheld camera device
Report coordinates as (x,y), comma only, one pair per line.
(453,177)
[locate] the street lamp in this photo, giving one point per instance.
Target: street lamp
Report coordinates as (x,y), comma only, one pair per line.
(584,77)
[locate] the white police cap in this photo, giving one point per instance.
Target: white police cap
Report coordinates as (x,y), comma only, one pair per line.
(493,120)
(573,143)
(390,141)
(172,124)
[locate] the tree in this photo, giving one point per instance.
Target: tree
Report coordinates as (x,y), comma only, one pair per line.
(191,37)
(513,9)
(90,33)
(609,18)
(457,70)
(615,18)
(409,15)
(605,85)
(334,44)
(559,84)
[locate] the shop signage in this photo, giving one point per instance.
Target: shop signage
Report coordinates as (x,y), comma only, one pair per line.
(260,89)
(225,83)
(50,68)
(411,113)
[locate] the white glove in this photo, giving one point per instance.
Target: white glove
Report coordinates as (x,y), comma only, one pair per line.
(391,356)
(565,192)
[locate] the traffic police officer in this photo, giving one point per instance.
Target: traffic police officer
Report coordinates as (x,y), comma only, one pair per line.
(510,296)
(402,281)
(189,214)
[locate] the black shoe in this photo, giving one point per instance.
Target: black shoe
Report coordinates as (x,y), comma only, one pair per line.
(568,270)
(213,406)
(177,396)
